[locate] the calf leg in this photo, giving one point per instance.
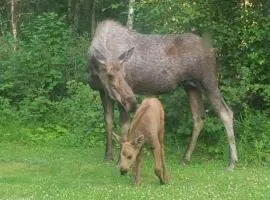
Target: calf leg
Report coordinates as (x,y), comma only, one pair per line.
(226,116)
(158,163)
(107,104)
(161,142)
(198,114)
(137,169)
(165,172)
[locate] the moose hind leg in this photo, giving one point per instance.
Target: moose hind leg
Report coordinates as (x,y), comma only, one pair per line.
(198,114)
(226,116)
(107,104)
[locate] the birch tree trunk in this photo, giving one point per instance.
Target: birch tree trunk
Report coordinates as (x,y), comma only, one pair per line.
(14,18)
(130,14)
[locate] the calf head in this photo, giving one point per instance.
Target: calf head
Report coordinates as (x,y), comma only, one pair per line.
(112,76)
(129,152)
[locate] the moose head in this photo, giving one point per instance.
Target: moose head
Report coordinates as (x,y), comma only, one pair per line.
(112,75)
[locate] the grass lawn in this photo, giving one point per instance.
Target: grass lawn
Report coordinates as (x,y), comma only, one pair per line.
(34,172)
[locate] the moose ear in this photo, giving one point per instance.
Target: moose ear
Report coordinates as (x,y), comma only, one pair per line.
(126,55)
(117,137)
(99,56)
(138,141)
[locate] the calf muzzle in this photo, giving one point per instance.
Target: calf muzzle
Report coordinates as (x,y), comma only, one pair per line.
(123,171)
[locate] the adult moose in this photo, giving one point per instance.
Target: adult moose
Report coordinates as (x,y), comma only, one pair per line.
(124,62)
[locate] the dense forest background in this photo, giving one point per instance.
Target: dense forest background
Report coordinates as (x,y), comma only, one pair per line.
(45,98)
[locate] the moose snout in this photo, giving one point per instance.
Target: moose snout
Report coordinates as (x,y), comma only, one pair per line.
(123,171)
(131,104)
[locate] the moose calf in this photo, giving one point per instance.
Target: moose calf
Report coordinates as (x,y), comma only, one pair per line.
(147,128)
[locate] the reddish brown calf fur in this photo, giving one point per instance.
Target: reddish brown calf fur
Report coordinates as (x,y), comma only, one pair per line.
(147,128)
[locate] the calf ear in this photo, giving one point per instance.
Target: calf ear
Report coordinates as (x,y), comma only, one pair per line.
(99,56)
(138,142)
(117,137)
(126,55)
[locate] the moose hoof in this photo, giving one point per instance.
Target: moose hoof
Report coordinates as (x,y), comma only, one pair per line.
(108,159)
(137,184)
(185,162)
(230,167)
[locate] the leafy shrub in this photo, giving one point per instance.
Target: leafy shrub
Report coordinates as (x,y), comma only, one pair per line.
(11,128)
(7,112)
(45,59)
(43,78)
(253,128)
(81,114)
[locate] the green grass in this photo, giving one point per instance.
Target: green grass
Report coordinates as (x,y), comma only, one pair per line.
(42,172)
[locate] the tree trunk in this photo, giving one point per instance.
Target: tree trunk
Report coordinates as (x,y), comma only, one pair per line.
(14,18)
(266,8)
(69,14)
(93,19)
(130,14)
(76,17)
(2,32)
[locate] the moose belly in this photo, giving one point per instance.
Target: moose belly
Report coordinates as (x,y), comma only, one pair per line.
(155,82)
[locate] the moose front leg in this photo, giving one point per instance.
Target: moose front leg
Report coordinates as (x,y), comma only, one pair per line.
(124,119)
(107,104)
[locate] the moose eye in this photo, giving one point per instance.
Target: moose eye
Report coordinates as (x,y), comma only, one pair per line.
(110,77)
(102,69)
(129,157)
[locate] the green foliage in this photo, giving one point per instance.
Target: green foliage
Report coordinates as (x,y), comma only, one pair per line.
(44,60)
(44,79)
(75,120)
(81,113)
(253,128)
(7,112)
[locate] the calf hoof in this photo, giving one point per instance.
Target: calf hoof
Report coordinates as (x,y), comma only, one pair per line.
(164,182)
